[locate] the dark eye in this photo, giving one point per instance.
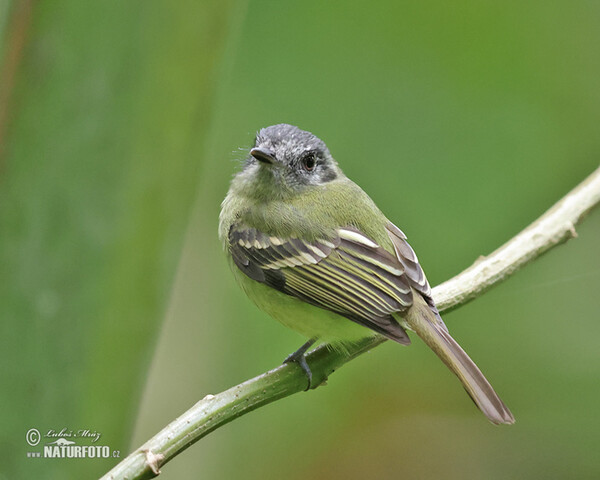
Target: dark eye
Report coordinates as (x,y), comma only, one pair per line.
(309,161)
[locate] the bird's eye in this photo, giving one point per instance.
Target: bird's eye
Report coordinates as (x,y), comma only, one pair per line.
(309,161)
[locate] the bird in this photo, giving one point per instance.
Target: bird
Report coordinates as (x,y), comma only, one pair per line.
(310,248)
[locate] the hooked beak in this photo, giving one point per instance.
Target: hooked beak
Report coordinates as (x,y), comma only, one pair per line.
(263,155)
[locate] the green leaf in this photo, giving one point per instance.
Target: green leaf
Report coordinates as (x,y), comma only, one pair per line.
(104,147)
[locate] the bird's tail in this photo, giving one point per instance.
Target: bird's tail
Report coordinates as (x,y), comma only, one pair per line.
(430,327)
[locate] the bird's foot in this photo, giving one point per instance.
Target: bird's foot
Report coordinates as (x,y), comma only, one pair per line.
(299,358)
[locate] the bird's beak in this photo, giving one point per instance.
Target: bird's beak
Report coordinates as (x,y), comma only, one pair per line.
(263,155)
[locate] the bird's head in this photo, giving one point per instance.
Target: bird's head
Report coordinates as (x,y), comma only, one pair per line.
(285,161)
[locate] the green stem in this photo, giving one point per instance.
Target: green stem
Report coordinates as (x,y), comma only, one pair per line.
(551,229)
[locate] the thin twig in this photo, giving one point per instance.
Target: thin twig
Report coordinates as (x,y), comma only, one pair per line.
(551,229)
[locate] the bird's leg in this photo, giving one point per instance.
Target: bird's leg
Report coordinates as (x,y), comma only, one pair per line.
(299,358)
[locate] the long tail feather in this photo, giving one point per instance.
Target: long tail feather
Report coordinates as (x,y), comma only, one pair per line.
(433,332)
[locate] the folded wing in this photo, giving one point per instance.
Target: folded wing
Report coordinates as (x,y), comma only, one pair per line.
(348,274)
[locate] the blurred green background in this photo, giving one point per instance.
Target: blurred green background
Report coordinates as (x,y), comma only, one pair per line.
(121,124)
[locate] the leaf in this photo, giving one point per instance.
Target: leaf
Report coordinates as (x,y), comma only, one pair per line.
(103,151)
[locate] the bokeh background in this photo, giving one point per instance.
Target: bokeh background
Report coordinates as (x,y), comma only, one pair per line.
(121,124)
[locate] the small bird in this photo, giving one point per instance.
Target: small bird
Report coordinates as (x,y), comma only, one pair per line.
(311,249)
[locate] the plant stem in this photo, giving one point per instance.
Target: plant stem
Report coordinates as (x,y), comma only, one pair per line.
(553,228)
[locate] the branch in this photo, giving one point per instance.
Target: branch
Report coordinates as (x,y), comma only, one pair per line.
(553,228)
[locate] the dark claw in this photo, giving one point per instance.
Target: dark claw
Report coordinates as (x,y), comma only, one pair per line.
(299,358)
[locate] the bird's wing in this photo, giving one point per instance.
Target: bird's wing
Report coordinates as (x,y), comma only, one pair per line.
(415,274)
(407,256)
(348,274)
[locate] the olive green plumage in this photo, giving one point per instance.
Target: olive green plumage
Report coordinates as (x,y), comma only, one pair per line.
(311,249)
